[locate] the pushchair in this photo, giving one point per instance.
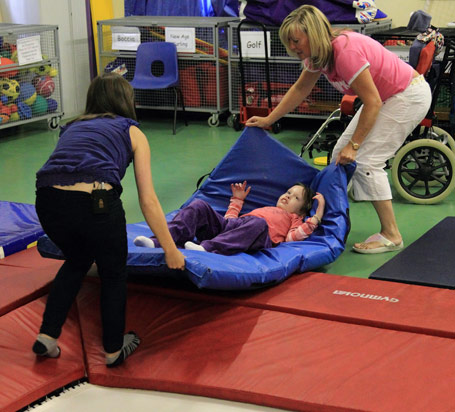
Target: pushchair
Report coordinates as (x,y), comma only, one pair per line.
(422,169)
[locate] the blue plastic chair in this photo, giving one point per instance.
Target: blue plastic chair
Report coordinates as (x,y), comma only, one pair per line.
(157,68)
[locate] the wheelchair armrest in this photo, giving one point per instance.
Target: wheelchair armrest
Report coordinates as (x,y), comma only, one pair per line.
(350,104)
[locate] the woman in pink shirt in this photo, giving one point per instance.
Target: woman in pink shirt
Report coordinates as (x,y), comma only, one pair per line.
(395,100)
(261,228)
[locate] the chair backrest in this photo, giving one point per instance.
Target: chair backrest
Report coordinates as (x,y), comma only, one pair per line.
(156,66)
(426,58)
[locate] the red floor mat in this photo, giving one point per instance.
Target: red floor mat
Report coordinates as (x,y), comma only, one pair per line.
(24,378)
(29,258)
(272,358)
(25,276)
(370,302)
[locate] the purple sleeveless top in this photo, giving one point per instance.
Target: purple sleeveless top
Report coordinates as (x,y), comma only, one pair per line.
(89,150)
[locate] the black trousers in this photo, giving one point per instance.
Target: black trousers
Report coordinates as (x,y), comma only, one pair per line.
(84,238)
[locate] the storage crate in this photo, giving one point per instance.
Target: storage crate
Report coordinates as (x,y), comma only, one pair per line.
(30,82)
(203,69)
(284,70)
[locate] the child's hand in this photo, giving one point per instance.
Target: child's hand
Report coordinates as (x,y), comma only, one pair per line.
(321,205)
(239,190)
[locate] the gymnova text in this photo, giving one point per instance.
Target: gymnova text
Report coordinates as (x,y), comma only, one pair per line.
(365,296)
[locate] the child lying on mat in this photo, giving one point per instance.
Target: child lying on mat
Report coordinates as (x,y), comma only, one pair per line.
(262,228)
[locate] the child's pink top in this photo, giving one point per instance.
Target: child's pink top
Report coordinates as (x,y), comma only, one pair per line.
(283,226)
(354,52)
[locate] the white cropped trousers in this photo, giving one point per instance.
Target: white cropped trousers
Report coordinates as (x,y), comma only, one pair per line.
(398,117)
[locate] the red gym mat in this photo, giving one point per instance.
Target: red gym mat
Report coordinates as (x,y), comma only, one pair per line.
(24,378)
(26,276)
(272,358)
(30,258)
(370,302)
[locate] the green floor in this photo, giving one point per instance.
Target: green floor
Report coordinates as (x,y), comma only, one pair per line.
(179,160)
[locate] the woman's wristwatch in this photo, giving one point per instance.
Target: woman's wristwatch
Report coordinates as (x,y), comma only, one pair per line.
(355,145)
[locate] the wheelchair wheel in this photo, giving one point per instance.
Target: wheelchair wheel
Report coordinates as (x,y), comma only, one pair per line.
(422,171)
(440,135)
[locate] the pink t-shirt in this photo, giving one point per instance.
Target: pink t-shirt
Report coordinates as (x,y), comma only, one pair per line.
(278,220)
(283,226)
(354,52)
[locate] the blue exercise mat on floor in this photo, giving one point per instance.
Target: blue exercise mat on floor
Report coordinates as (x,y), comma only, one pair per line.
(270,168)
(428,261)
(19,227)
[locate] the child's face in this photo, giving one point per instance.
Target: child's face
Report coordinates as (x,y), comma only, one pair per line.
(293,200)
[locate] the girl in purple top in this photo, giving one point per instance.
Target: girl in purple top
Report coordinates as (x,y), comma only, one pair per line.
(79,207)
(395,100)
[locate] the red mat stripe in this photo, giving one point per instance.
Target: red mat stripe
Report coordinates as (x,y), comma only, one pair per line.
(24,378)
(272,358)
(387,305)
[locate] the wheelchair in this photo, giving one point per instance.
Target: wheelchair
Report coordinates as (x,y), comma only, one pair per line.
(422,170)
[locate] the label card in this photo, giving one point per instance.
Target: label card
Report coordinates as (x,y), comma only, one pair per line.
(125,38)
(29,50)
(253,43)
(183,37)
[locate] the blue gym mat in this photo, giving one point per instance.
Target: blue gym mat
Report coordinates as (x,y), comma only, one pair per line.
(19,227)
(270,168)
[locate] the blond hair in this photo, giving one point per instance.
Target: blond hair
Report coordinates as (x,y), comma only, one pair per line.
(311,21)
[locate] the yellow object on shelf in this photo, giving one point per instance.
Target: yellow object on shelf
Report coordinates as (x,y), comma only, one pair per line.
(320,161)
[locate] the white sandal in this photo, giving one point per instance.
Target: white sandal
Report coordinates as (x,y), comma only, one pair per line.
(388,246)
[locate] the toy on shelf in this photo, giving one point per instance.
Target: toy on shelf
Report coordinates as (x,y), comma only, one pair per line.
(44,85)
(5,61)
(10,90)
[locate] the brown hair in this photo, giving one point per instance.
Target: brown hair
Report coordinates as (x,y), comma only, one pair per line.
(311,21)
(109,95)
(308,195)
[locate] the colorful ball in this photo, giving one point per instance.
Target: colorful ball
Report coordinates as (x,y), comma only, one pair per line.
(52,105)
(3,73)
(14,117)
(5,110)
(44,69)
(8,50)
(14,56)
(3,118)
(40,106)
(24,110)
(27,93)
(44,85)
(10,89)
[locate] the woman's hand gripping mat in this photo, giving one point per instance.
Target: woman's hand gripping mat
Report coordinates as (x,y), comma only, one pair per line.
(270,168)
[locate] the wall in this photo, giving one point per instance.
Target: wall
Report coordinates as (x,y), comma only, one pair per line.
(70,15)
(441,11)
(119,8)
